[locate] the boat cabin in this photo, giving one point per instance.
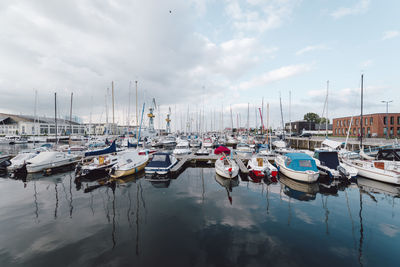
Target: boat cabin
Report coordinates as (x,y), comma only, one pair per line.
(327,158)
(300,162)
(161,160)
(392,154)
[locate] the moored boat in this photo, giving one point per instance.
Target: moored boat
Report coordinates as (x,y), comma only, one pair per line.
(49,160)
(161,163)
(128,162)
(298,166)
(226,167)
(260,166)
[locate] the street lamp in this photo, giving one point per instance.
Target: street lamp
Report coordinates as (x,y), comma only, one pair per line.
(387,117)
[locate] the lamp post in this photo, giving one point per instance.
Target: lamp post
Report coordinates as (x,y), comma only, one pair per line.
(387,116)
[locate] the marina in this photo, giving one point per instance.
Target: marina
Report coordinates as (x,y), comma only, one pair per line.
(199,133)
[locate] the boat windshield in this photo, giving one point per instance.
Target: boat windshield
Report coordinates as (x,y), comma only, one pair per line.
(305,163)
(159,157)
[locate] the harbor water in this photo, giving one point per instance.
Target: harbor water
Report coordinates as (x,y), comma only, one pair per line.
(197,219)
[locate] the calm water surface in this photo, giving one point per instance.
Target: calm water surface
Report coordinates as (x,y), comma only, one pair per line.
(197,219)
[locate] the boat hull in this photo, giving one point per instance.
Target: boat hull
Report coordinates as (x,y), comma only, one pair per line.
(121,173)
(302,176)
(32,168)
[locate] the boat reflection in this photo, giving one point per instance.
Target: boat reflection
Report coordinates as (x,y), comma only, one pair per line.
(298,190)
(375,187)
(159,182)
(228,184)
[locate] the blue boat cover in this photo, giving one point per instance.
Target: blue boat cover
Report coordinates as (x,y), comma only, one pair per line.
(110,149)
(160,160)
(300,162)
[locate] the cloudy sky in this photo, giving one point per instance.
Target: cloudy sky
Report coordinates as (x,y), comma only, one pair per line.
(199,54)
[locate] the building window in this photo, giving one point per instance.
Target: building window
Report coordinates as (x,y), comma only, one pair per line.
(337,123)
(366,121)
(336,130)
(356,121)
(371,120)
(341,123)
(392,120)
(384,120)
(391,131)
(369,131)
(384,130)
(354,131)
(398,131)
(398,120)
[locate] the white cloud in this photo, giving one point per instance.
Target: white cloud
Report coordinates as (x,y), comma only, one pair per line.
(360,7)
(275,75)
(259,16)
(367,63)
(311,48)
(390,34)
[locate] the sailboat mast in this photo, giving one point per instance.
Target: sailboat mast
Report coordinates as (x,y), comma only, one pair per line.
(70,116)
(283,126)
(290,112)
(326,119)
(129,108)
(35,120)
(113,119)
(361,115)
(55,114)
(231,119)
(107,126)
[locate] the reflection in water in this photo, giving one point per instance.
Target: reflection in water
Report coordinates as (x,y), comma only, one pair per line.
(298,190)
(56,207)
(361,233)
(244,233)
(228,184)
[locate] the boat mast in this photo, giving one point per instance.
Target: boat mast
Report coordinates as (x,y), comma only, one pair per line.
(113,119)
(283,127)
(326,119)
(361,115)
(137,117)
(290,109)
(55,114)
(70,117)
(106,98)
(35,119)
(129,108)
(231,119)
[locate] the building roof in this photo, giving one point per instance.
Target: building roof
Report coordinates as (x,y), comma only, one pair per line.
(366,115)
(30,118)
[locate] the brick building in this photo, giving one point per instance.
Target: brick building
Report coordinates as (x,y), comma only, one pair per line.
(374,125)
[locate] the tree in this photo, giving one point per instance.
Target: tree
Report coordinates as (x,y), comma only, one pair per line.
(323,120)
(312,117)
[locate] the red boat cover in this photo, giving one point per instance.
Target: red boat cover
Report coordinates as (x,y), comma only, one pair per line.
(222,149)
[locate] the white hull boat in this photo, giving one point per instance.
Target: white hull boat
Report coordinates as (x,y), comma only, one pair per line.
(49,160)
(128,162)
(226,167)
(298,166)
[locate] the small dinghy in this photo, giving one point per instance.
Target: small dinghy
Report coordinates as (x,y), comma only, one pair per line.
(298,166)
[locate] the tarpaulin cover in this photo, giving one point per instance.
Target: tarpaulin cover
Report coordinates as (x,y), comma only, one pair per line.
(222,149)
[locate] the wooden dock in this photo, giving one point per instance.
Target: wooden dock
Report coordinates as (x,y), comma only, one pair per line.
(181,162)
(192,158)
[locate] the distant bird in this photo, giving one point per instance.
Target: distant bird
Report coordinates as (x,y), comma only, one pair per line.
(170,11)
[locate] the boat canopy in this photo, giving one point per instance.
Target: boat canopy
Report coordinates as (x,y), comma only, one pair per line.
(160,160)
(110,149)
(328,158)
(300,162)
(332,144)
(222,149)
(392,154)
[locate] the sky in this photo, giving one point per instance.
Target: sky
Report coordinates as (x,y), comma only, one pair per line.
(199,55)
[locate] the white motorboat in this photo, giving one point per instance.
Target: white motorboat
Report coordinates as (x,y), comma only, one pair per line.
(203,151)
(279,144)
(328,164)
(161,163)
(298,166)
(208,142)
(128,162)
(95,166)
(182,148)
(385,168)
(49,160)
(259,166)
(195,143)
(231,141)
(20,160)
(169,141)
(244,150)
(226,167)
